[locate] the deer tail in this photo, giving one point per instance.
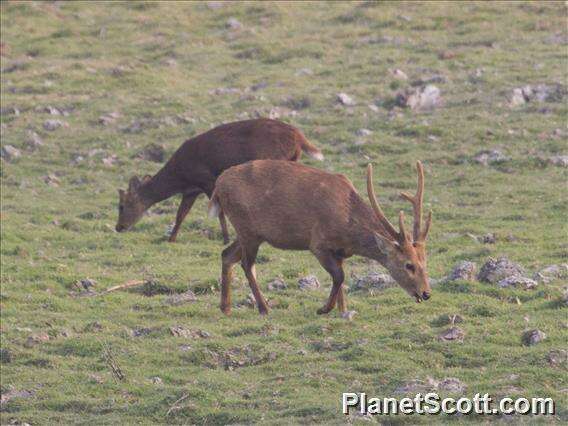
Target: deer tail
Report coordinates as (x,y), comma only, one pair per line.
(309,149)
(214,208)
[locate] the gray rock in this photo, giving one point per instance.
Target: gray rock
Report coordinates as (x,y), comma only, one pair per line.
(532,337)
(452,384)
(464,270)
(517,281)
(181,298)
(33,140)
(277,284)
(492,156)
(452,334)
(5,356)
(51,180)
(364,132)
(559,160)
(180,331)
(141,332)
(348,315)
(233,24)
(373,281)
(516,98)
(537,93)
(304,71)
(309,283)
(157,380)
(109,118)
(557,357)
(152,152)
(488,238)
(7,396)
(551,273)
(86,284)
(52,125)
(345,99)
(399,74)
(494,270)
(418,386)
(36,338)
(420,98)
(10,153)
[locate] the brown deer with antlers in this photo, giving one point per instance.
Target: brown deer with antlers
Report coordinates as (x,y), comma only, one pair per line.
(194,167)
(295,207)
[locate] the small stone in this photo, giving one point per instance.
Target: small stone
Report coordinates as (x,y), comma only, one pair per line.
(5,356)
(364,132)
(488,238)
(277,284)
(373,107)
(516,98)
(152,152)
(157,380)
(304,71)
(109,118)
(140,331)
(494,270)
(345,99)
(86,284)
(7,396)
(373,281)
(559,160)
(348,315)
(532,337)
(399,74)
(447,54)
(418,386)
(557,357)
(179,331)
(110,161)
(181,298)
(52,125)
(37,338)
(451,384)
(233,24)
(464,270)
(10,153)
(309,283)
(52,110)
(421,98)
(487,157)
(185,348)
(33,140)
(517,281)
(551,273)
(51,180)
(452,334)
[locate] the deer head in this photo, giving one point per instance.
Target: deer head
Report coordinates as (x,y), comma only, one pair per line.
(131,207)
(405,254)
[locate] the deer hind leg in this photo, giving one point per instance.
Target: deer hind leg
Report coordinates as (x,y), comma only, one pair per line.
(183,209)
(334,266)
(230,256)
(247,262)
(224,229)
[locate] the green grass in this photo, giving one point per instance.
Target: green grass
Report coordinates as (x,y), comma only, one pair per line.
(157,60)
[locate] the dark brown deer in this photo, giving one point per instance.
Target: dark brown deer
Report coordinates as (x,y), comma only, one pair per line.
(194,167)
(295,207)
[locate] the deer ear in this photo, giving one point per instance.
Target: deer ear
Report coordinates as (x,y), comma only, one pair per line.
(146,178)
(133,183)
(385,245)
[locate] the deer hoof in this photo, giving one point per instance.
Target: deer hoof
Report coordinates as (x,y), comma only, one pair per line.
(323,310)
(226,310)
(263,311)
(172,239)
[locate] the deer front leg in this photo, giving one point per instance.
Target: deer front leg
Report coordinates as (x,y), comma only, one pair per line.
(247,262)
(334,266)
(183,209)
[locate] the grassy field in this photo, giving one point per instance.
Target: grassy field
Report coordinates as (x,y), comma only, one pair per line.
(172,70)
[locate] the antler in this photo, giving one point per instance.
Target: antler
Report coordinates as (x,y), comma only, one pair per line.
(416,201)
(377,209)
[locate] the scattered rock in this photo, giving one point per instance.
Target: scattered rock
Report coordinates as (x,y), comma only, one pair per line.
(279,112)
(152,152)
(364,132)
(464,270)
(94,326)
(141,331)
(557,357)
(226,91)
(259,86)
(559,160)
(5,356)
(537,93)
(452,384)
(36,338)
(517,281)
(298,103)
(304,71)
(489,238)
(12,393)
(55,111)
(233,24)
(373,107)
(373,281)
(109,118)
(157,380)
(185,348)
(277,284)
(10,111)
(421,98)
(551,273)
(452,334)
(309,283)
(532,337)
(494,270)
(492,156)
(51,180)
(179,331)
(110,161)
(418,386)
(558,38)
(10,153)
(52,125)
(181,298)
(516,98)
(398,74)
(33,140)
(345,99)
(348,315)
(85,284)
(446,54)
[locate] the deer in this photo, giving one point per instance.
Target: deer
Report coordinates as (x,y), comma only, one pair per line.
(193,169)
(295,207)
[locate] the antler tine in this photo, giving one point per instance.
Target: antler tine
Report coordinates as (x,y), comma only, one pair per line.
(375,205)
(426,226)
(416,202)
(401,226)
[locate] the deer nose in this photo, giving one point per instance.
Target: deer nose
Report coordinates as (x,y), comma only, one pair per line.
(425,295)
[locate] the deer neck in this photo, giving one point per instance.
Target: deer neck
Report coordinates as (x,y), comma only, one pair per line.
(159,187)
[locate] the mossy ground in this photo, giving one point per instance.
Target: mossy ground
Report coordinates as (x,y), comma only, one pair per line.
(150,61)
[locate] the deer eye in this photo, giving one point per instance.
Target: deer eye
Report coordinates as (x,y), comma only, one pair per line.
(410,267)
